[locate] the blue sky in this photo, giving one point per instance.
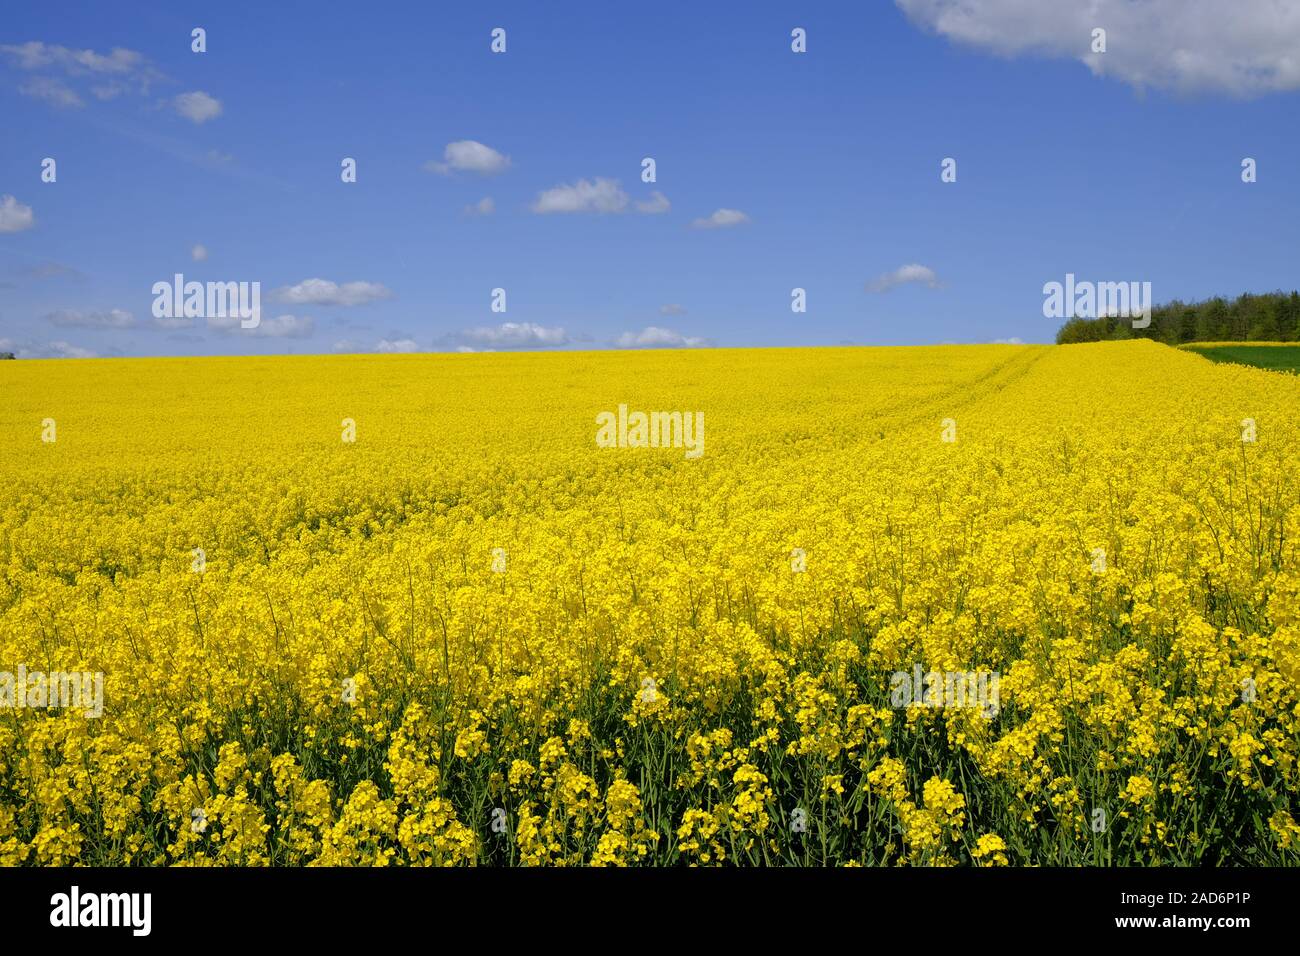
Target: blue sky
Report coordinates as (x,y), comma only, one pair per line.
(1119,166)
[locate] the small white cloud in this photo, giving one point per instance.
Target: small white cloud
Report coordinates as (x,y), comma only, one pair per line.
(469,156)
(657,203)
(598,196)
(484,207)
(52,91)
(397,345)
(721,219)
(197,107)
(14,216)
(1011,341)
(672,308)
(61,349)
(112,319)
(280,327)
(902,276)
(654,337)
(324,292)
(515,335)
(199,253)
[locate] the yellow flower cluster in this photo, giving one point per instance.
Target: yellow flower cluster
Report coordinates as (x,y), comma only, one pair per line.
(474,636)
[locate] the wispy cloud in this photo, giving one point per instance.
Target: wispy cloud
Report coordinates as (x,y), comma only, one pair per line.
(35,55)
(903,275)
(48,270)
(54,68)
(396,345)
(209,160)
(53,91)
(721,219)
(325,292)
(110,319)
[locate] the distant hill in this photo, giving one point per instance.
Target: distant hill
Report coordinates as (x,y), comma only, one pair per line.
(1269,317)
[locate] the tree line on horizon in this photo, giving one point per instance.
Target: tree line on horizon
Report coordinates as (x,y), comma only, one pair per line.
(1251,317)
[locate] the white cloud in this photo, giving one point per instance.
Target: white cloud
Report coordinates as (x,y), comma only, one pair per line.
(672,308)
(1242,47)
(654,337)
(280,327)
(657,203)
(112,319)
(61,349)
(397,345)
(484,207)
(324,292)
(199,252)
(197,107)
(599,196)
(515,335)
(904,275)
(14,216)
(469,156)
(721,219)
(1011,341)
(52,91)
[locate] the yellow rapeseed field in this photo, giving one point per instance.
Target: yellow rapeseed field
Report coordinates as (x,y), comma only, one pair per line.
(384,610)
